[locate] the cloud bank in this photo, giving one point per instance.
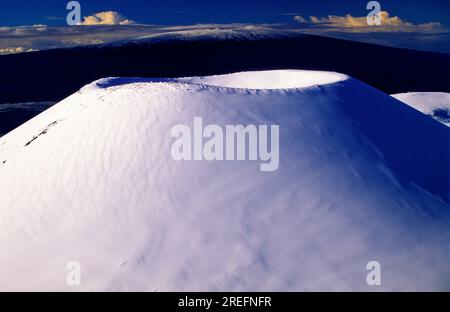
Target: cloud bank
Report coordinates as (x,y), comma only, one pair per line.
(15,50)
(393,31)
(116,29)
(106,18)
(351,23)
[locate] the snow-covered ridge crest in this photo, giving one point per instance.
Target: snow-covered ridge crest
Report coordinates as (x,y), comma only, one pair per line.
(362,177)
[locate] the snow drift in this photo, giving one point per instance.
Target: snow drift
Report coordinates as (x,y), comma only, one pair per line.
(362,177)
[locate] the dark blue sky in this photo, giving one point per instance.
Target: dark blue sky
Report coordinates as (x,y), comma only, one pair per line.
(15,12)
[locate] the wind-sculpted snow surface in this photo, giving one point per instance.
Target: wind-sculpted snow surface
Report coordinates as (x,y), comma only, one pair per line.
(362,177)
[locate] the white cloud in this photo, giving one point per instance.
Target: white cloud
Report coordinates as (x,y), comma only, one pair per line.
(389,23)
(350,21)
(300,19)
(106,18)
(11,50)
(15,50)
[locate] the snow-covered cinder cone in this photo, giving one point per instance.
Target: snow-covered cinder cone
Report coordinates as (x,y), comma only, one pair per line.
(434,104)
(92,196)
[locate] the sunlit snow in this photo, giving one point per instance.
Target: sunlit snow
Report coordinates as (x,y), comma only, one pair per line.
(362,177)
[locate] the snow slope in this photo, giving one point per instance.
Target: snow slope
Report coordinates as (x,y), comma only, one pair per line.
(362,177)
(435,104)
(42,37)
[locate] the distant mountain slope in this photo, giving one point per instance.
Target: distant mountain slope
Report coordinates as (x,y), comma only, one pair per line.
(362,177)
(54,74)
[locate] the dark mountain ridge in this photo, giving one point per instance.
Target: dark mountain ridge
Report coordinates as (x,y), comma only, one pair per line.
(52,75)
